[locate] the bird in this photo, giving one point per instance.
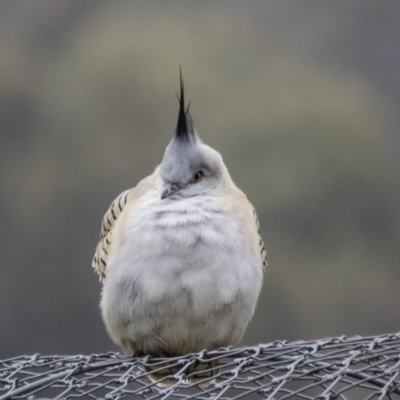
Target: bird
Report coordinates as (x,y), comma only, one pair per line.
(180,256)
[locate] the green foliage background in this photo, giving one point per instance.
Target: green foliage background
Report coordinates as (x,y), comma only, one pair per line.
(300,98)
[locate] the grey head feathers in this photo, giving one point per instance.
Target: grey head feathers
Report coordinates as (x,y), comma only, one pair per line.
(186,156)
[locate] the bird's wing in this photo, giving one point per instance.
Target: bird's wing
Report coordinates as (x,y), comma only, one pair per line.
(116,212)
(103,247)
(239,206)
(261,245)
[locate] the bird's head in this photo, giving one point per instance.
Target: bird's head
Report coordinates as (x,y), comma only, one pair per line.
(190,167)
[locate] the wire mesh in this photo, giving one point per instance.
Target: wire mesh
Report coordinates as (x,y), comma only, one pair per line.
(335,368)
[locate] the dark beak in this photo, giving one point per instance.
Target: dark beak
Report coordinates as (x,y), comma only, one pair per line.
(170,190)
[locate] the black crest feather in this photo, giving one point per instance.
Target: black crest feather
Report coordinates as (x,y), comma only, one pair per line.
(184,128)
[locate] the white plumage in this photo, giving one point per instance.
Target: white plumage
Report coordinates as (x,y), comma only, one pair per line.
(180,255)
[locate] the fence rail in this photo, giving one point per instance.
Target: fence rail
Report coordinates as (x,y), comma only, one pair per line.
(335,368)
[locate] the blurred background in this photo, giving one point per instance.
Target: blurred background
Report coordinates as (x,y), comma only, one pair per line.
(300,97)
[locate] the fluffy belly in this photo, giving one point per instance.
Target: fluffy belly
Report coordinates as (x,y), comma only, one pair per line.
(183,281)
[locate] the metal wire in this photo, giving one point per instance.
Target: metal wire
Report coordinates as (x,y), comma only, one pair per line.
(336,368)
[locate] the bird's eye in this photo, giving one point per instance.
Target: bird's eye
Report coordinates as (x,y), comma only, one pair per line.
(197,177)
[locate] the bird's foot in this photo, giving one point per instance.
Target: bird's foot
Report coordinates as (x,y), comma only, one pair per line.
(193,365)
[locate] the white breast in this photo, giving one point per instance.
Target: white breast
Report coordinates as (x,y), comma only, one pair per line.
(185,278)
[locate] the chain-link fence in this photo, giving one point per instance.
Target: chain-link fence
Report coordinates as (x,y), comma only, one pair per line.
(335,368)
